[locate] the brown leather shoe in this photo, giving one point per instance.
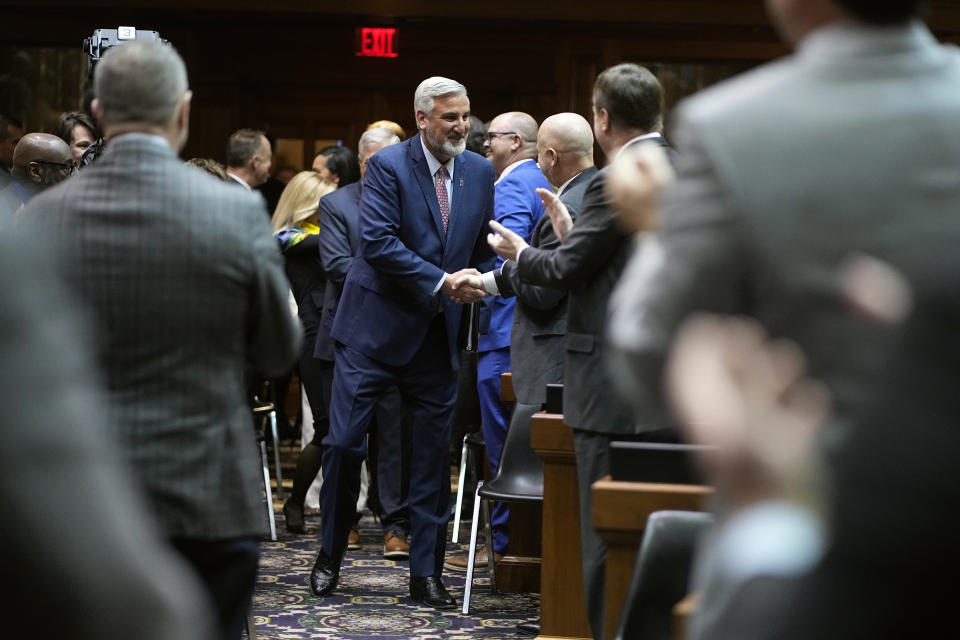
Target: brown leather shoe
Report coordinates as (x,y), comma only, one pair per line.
(459,563)
(353,540)
(396,545)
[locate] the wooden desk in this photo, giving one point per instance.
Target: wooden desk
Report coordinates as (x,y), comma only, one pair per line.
(562,603)
(506,387)
(620,512)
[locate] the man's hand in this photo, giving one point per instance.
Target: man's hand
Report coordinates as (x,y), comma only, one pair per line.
(504,242)
(636,179)
(464,286)
(733,387)
(559,215)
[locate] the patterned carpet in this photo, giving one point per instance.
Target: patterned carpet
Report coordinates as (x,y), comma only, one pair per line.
(372,600)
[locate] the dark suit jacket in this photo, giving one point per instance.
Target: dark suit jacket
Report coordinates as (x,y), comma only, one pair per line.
(185,282)
(82,522)
(307,282)
(388,298)
(540,320)
(339,242)
(587,264)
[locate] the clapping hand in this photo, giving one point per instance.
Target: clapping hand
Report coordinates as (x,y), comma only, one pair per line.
(464,286)
(734,387)
(505,243)
(559,215)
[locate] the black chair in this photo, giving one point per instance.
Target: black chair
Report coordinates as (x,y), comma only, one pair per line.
(661,574)
(519,479)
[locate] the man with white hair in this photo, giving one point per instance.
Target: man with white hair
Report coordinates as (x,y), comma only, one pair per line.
(423,213)
(181,311)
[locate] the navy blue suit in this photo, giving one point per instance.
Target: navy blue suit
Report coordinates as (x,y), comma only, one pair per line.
(392,329)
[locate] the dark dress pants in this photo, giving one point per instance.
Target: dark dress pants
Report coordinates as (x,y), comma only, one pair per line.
(428,387)
(228,569)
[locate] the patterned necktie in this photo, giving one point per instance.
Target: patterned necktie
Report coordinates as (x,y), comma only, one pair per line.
(442,196)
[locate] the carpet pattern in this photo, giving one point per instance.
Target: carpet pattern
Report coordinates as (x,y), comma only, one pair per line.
(372,600)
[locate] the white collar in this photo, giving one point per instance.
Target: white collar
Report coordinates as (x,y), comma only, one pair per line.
(433,163)
(240,180)
(567,183)
(646,136)
(511,167)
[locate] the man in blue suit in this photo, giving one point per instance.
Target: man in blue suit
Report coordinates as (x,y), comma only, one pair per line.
(424,211)
(511,146)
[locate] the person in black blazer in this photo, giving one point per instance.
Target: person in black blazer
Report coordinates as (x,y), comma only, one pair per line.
(588,264)
(295,226)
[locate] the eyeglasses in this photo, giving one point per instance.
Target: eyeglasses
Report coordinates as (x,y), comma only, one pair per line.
(490,135)
(65,168)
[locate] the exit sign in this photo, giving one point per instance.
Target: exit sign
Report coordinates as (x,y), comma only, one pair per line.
(377,42)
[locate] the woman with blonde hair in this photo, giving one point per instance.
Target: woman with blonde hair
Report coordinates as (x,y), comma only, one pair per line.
(295,227)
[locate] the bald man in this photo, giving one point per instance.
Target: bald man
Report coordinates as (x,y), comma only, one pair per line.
(40,161)
(511,146)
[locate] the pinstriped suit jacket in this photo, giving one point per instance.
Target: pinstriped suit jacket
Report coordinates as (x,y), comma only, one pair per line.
(186,285)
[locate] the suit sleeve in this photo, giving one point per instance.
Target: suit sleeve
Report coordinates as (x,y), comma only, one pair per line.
(380,222)
(534,296)
(273,338)
(335,253)
(584,252)
(703,267)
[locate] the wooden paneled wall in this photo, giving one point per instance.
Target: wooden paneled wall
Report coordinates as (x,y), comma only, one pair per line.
(290,66)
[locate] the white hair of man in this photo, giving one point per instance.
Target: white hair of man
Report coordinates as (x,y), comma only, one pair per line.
(377,137)
(140,82)
(433,88)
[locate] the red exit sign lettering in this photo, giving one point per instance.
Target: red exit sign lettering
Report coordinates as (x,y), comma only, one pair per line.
(375,42)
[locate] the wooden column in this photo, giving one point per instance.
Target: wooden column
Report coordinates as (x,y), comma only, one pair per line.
(620,512)
(562,603)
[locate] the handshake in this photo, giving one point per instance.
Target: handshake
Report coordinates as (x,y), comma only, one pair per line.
(464,286)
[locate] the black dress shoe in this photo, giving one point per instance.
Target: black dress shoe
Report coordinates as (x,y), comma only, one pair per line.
(431,592)
(294,518)
(325,575)
(528,629)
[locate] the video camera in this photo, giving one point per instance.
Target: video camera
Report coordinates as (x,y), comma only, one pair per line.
(95,46)
(102,39)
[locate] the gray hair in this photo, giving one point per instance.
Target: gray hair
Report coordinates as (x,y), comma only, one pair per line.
(433,88)
(376,137)
(140,82)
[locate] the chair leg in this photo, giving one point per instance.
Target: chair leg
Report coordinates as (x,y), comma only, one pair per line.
(488,531)
(276,453)
(471,558)
(266,486)
(460,489)
(251,628)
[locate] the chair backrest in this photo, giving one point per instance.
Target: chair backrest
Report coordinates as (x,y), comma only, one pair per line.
(655,462)
(520,473)
(661,574)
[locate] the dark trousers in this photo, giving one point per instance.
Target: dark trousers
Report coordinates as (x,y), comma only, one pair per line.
(390,462)
(592,450)
(228,569)
(316,376)
(428,387)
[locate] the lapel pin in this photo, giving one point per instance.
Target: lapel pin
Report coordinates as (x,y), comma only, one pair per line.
(461,182)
